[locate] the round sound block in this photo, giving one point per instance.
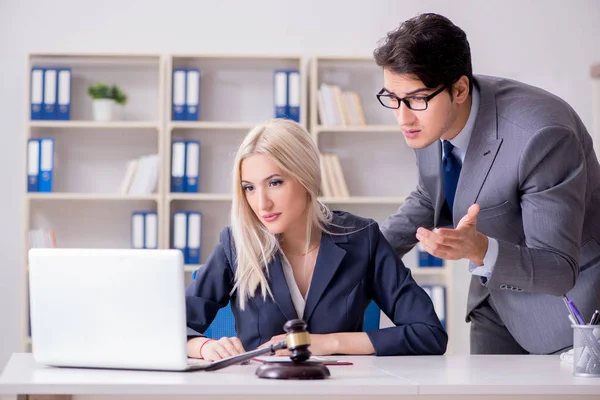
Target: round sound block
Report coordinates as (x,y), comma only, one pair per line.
(291,370)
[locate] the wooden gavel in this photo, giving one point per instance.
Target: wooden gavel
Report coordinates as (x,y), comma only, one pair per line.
(298,342)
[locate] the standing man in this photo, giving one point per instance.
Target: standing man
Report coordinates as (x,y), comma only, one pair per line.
(508,179)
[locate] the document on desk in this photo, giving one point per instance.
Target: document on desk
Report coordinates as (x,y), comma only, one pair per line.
(325,361)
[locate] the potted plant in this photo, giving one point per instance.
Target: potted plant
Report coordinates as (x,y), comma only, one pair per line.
(104,97)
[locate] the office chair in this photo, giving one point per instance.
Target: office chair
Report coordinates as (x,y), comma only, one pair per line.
(224,322)
(372,317)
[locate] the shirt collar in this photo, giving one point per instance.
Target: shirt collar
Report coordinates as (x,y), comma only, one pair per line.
(462,139)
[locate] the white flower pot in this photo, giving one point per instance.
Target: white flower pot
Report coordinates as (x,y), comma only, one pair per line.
(103,109)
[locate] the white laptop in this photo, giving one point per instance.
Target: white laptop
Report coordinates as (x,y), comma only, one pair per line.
(109,308)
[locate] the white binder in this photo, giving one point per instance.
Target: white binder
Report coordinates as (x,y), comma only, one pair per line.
(177,166)
(194,237)
(50,90)
(180,231)
(137,230)
(151,231)
(192,165)
(33,165)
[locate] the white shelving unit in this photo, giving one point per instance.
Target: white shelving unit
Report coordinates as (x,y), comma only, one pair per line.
(379,168)
(85,207)
(236,94)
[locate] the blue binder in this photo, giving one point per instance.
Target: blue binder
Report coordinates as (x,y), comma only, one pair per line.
(151,230)
(437,294)
(180,233)
(426,260)
(436,261)
(37,93)
(192,94)
(46,164)
(280,93)
(33,165)
(138,230)
(178,164)
(179,95)
(194,237)
(192,165)
(422,257)
(293,91)
(63,111)
(50,86)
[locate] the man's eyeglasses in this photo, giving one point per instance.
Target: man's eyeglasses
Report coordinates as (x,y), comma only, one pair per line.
(416,103)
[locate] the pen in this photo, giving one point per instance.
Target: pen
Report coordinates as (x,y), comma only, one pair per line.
(574,309)
(594,319)
(571,315)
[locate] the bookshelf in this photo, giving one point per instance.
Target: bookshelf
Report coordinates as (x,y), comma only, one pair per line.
(379,168)
(85,207)
(237,92)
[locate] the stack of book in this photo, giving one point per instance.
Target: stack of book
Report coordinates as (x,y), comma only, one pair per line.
(141,176)
(339,108)
(333,183)
(42,238)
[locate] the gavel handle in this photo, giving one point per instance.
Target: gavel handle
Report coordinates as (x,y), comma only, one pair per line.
(240,358)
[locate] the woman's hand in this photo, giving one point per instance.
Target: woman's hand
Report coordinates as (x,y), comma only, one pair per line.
(212,350)
(320,345)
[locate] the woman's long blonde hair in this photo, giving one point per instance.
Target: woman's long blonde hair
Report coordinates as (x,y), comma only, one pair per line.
(291,147)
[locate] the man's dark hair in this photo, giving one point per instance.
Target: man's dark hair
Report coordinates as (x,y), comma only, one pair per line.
(430,47)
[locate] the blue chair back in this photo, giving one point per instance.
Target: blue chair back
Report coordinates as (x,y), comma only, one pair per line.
(224,322)
(372,317)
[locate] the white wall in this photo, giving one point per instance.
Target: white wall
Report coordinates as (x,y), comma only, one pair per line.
(547,43)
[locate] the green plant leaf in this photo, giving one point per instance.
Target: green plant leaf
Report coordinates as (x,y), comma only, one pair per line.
(101,90)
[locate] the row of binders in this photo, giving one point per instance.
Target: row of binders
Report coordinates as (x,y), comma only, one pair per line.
(437,293)
(141,176)
(185,94)
(144,230)
(40,164)
(185,166)
(286,98)
(333,182)
(339,108)
(426,260)
(50,93)
(187,235)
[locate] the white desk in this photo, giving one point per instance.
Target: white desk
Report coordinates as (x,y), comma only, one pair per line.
(382,377)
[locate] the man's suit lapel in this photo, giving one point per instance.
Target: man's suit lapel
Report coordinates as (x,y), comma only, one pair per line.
(480,156)
(328,261)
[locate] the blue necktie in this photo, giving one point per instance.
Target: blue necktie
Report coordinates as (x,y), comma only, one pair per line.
(450,173)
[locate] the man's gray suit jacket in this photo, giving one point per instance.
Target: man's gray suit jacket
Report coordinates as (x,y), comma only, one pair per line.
(531,167)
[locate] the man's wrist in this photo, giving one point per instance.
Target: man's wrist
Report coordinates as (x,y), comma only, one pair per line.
(480,249)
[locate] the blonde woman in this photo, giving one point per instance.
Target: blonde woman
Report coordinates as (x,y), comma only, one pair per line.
(286,256)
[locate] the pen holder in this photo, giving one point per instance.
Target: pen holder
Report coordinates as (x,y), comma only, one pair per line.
(586,350)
